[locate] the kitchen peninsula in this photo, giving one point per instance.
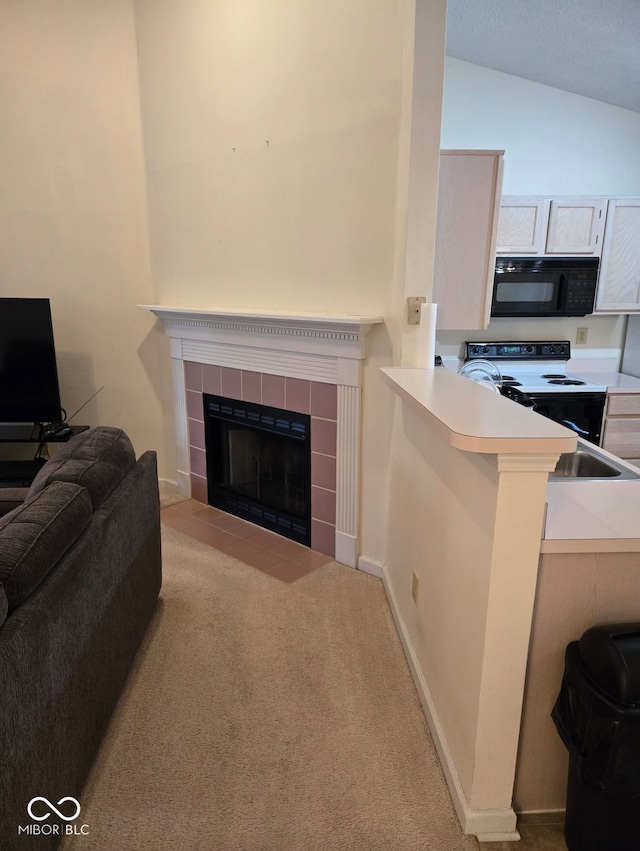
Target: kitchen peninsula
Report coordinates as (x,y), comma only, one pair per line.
(467,499)
(468,503)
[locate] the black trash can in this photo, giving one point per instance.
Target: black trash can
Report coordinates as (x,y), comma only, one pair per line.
(597,715)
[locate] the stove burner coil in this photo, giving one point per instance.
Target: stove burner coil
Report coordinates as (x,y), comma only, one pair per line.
(554,375)
(566,381)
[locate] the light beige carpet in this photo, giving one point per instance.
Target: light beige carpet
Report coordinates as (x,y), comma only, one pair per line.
(262,716)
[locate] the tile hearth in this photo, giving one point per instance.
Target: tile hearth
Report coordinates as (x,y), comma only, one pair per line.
(266,551)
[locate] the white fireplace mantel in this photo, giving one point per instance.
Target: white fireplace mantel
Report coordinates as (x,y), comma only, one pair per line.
(325,347)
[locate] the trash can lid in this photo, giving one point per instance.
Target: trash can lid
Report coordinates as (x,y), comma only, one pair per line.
(611,655)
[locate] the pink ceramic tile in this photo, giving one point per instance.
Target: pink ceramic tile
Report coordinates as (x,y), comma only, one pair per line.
(241,550)
(210,535)
(287,572)
(226,521)
(207,514)
(199,489)
(231,383)
(252,386)
(171,510)
(273,390)
(323,436)
(323,471)
(263,560)
(323,538)
(196,435)
(286,548)
(211,379)
(188,506)
(297,395)
(195,409)
(264,538)
(311,560)
(193,376)
(179,521)
(198,461)
(324,400)
(323,505)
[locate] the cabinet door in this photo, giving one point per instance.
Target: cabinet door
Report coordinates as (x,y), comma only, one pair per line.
(619,279)
(522,228)
(576,226)
(469,189)
(622,436)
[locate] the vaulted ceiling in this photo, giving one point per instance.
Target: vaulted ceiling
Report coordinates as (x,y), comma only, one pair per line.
(588,47)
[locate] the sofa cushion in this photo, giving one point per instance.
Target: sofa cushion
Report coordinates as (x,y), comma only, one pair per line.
(97,459)
(4,605)
(36,535)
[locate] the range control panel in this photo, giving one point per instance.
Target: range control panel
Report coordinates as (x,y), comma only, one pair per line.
(531,351)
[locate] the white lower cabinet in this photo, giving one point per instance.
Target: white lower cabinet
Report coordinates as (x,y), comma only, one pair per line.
(621,432)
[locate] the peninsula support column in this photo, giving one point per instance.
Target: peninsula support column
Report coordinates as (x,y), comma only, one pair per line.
(518,529)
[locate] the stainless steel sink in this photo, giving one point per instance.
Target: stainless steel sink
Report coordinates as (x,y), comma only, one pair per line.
(588,464)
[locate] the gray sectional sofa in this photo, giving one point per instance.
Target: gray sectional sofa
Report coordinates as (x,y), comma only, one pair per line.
(80,574)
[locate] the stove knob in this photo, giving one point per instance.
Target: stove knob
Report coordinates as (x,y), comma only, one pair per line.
(552,349)
(475,350)
(528,349)
(562,349)
(485,349)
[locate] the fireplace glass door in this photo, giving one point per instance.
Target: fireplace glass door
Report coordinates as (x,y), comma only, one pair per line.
(259,465)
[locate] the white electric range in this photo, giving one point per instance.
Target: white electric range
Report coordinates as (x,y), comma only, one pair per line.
(533,373)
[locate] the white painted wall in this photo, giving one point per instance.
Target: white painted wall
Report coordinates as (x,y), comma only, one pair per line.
(554,142)
(313,220)
(276,146)
(72,203)
(271,136)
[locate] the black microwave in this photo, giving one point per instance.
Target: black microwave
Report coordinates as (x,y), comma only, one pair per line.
(544,286)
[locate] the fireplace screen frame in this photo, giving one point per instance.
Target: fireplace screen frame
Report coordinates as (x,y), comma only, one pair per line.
(223,417)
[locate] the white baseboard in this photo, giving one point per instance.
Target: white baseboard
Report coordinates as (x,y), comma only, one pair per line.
(497,825)
(370,565)
(346,549)
(183,483)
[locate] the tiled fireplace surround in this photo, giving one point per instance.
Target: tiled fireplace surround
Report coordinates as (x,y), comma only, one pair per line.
(291,394)
(308,363)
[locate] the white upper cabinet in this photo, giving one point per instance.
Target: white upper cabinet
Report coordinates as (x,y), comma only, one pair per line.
(469,188)
(522,227)
(576,226)
(533,225)
(619,279)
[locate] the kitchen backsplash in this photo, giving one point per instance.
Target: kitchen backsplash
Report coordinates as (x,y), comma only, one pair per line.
(605,335)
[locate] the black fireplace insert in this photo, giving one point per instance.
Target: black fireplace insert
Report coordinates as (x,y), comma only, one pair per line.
(259,465)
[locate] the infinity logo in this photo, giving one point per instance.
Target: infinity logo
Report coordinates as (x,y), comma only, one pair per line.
(53,809)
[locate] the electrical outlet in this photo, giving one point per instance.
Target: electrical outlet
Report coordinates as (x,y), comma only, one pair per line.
(415,587)
(581,336)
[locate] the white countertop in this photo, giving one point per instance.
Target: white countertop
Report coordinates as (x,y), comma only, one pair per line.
(473,418)
(616,382)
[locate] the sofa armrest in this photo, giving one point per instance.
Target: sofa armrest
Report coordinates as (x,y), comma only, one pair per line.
(11,498)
